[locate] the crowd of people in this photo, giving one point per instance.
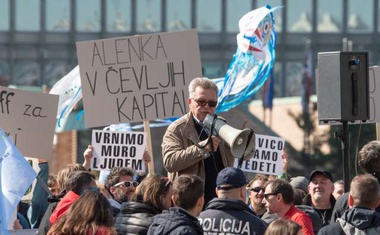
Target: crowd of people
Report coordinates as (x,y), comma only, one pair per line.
(203,193)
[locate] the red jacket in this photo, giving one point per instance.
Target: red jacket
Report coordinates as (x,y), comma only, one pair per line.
(63,206)
(300,218)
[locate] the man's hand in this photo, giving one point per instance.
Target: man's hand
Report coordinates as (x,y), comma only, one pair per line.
(146,157)
(87,157)
(214,141)
(285,160)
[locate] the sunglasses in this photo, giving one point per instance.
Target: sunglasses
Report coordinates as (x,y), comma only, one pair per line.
(257,189)
(203,103)
(126,184)
(266,196)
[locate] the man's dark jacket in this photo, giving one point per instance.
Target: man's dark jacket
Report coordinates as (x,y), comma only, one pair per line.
(175,221)
(134,218)
(357,220)
(325,217)
(230,216)
(341,204)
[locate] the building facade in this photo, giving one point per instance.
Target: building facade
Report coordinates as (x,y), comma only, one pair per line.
(37,37)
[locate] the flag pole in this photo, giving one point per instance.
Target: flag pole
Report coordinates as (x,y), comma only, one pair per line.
(149,146)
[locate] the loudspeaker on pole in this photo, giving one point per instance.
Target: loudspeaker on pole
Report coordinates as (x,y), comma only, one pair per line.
(342,86)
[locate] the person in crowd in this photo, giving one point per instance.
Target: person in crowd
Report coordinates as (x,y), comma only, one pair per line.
(300,187)
(121,185)
(90,214)
(188,191)
(285,163)
(300,184)
(20,222)
(279,197)
(185,146)
(39,203)
(77,183)
(55,199)
(152,196)
(230,206)
(361,218)
(52,184)
(368,160)
(338,189)
(284,227)
(256,194)
(121,182)
(320,196)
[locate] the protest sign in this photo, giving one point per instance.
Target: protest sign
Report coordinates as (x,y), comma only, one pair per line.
(114,148)
(137,78)
(267,158)
(29,119)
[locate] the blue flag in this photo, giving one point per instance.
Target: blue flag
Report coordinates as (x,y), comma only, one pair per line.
(253,61)
(16,175)
(269,93)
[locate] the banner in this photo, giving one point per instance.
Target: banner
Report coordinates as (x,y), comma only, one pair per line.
(115,148)
(29,118)
(137,78)
(16,175)
(267,158)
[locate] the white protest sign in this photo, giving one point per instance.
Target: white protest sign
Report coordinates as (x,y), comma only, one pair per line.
(114,148)
(267,158)
(137,78)
(29,119)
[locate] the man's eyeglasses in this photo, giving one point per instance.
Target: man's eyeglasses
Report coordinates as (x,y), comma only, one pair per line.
(202,102)
(266,195)
(127,184)
(257,189)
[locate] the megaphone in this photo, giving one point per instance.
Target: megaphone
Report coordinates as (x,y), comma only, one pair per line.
(241,142)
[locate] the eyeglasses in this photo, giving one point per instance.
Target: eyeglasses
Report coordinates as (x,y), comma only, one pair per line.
(127,184)
(266,195)
(203,103)
(257,189)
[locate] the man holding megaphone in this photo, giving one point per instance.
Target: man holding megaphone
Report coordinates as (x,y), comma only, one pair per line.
(188,146)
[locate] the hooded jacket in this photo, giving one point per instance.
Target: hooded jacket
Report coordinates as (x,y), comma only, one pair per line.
(341,204)
(357,220)
(134,218)
(230,216)
(63,206)
(175,221)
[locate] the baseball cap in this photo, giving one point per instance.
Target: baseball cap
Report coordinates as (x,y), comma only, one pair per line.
(231,176)
(325,173)
(300,182)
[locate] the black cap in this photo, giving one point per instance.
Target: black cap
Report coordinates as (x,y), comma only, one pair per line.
(231,176)
(325,173)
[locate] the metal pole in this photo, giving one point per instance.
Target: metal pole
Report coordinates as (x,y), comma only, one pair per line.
(345,142)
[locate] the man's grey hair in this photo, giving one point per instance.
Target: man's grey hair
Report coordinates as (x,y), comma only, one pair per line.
(202,82)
